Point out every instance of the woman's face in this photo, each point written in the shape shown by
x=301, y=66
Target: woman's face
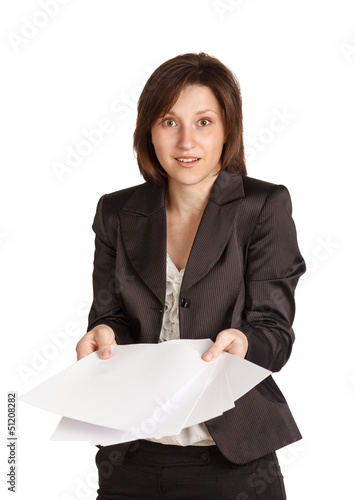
x=188, y=140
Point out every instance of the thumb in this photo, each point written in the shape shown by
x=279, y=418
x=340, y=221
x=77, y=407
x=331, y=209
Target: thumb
x=215, y=350
x=105, y=351
x=212, y=353
x=208, y=356
x=103, y=344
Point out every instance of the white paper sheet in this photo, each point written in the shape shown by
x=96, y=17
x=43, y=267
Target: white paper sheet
x=143, y=390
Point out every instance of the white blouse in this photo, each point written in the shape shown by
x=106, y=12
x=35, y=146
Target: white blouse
x=196, y=435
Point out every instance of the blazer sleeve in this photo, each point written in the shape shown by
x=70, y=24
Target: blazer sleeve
x=106, y=308
x=273, y=267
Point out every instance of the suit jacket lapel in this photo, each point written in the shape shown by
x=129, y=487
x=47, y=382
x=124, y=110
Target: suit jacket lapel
x=215, y=228
x=143, y=226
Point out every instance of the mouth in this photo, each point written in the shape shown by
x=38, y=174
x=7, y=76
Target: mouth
x=187, y=161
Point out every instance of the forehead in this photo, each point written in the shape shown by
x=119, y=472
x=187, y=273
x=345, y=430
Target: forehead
x=195, y=98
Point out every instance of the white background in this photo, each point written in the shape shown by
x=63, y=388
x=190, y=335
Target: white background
x=87, y=63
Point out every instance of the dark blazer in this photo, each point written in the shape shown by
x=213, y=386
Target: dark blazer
x=241, y=273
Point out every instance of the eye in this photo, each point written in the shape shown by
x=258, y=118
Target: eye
x=169, y=122
x=204, y=122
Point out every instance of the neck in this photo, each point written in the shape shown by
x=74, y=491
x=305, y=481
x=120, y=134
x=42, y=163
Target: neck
x=188, y=201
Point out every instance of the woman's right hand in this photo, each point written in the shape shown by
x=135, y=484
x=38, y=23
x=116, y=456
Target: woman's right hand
x=100, y=338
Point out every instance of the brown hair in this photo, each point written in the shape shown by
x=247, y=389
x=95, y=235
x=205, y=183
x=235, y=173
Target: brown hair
x=162, y=91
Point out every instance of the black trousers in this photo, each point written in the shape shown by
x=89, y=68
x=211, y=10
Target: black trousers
x=157, y=471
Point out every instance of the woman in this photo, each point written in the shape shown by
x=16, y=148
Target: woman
x=199, y=250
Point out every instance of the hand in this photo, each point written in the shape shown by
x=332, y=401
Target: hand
x=230, y=340
x=100, y=338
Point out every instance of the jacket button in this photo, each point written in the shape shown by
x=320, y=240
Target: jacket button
x=157, y=309
x=185, y=302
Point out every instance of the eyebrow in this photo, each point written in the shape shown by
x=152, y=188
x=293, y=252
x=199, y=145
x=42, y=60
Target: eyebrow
x=202, y=112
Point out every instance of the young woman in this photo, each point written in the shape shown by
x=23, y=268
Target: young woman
x=199, y=250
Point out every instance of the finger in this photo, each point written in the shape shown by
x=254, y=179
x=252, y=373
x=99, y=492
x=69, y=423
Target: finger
x=215, y=350
x=104, y=341
x=225, y=341
x=84, y=348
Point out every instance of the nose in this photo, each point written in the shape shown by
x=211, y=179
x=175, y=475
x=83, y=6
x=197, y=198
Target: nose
x=186, y=139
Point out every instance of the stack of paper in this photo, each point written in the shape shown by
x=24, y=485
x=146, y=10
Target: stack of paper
x=143, y=391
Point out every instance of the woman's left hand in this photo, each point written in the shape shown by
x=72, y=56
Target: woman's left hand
x=230, y=340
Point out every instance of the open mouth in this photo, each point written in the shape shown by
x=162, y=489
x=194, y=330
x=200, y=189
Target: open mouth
x=187, y=161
